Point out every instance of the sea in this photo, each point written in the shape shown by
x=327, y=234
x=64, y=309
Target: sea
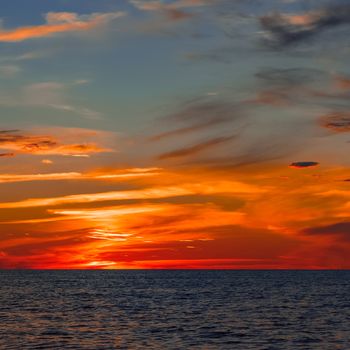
x=174, y=309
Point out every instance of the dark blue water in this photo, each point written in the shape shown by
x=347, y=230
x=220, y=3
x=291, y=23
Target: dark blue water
x=175, y=310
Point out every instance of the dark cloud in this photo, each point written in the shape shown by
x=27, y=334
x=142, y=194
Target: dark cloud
x=197, y=148
x=289, y=76
x=7, y=154
x=205, y=111
x=303, y=164
x=257, y=151
x=285, y=30
x=8, y=131
x=338, y=229
x=337, y=121
x=285, y=86
x=188, y=129
x=199, y=116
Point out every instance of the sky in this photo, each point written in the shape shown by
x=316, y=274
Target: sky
x=183, y=134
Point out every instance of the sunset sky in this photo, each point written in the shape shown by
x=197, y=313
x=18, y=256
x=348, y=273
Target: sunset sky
x=175, y=134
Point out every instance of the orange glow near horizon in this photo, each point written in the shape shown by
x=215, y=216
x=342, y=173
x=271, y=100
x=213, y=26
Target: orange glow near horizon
x=195, y=224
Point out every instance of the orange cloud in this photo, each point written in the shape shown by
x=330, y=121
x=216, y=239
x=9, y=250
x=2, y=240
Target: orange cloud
x=7, y=178
x=98, y=176
x=303, y=20
x=59, y=22
x=46, y=144
x=105, y=213
x=98, y=197
x=47, y=161
x=230, y=187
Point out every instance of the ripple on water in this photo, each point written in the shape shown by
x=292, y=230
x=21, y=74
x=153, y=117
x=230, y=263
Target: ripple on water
x=174, y=310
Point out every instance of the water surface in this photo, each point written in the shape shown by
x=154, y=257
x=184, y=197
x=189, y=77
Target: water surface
x=245, y=310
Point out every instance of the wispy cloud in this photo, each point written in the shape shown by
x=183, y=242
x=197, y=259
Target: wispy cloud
x=288, y=86
x=196, y=117
x=58, y=22
x=25, y=56
x=54, y=95
x=289, y=77
x=208, y=121
x=9, y=70
x=197, y=148
x=49, y=94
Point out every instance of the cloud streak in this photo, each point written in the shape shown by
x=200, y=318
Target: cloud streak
x=58, y=22
x=127, y=174
x=230, y=187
